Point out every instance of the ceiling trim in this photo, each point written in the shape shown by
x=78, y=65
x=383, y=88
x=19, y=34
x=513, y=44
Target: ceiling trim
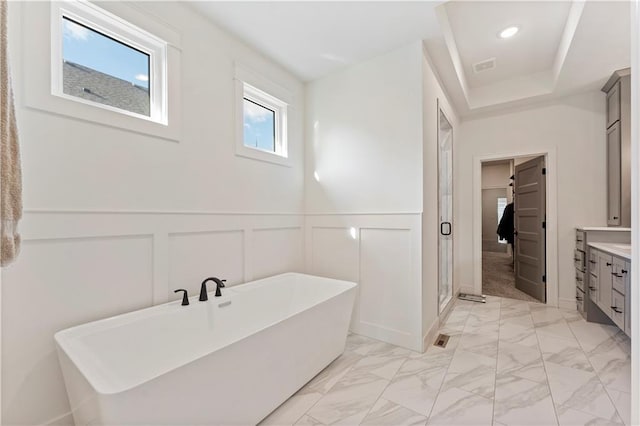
x=518, y=88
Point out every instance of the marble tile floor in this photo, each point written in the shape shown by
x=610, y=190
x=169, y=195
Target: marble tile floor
x=508, y=362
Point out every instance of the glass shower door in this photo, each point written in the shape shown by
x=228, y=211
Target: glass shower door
x=445, y=210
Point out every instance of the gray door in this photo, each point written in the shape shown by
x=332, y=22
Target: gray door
x=490, y=219
x=530, y=238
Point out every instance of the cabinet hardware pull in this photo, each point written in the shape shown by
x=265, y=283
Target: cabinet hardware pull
x=616, y=275
x=592, y=288
x=624, y=271
x=608, y=264
x=615, y=309
x=578, y=279
x=579, y=241
x=576, y=259
x=593, y=262
x=579, y=299
x=616, y=217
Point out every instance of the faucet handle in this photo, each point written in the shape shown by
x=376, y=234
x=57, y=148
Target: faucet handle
x=222, y=283
x=185, y=296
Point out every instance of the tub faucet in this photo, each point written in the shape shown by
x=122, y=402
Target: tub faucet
x=185, y=296
x=203, y=288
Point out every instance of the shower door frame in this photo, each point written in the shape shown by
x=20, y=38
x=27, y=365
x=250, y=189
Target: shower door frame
x=443, y=306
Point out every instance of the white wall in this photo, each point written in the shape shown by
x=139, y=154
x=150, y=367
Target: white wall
x=364, y=141
x=573, y=129
x=434, y=96
x=495, y=175
x=116, y=220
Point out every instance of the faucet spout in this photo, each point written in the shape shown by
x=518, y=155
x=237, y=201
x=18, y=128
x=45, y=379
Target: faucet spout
x=203, y=288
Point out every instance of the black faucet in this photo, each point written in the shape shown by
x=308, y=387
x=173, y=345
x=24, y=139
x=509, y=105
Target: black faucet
x=185, y=296
x=203, y=288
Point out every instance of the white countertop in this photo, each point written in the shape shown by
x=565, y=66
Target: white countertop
x=602, y=228
x=617, y=249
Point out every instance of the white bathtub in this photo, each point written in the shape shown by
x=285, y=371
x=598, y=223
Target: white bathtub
x=206, y=363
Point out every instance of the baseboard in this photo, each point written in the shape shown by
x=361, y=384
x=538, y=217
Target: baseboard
x=567, y=304
x=429, y=337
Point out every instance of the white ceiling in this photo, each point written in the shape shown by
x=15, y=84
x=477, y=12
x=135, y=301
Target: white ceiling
x=563, y=46
x=532, y=50
x=312, y=38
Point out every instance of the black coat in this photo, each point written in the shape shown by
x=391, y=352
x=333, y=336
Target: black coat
x=505, y=228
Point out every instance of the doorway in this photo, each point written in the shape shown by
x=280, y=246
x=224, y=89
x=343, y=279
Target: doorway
x=513, y=203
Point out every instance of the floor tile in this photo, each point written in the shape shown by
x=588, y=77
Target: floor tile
x=418, y=382
x=622, y=402
x=387, y=413
x=349, y=401
x=458, y=407
x=292, y=409
x=570, y=417
x=522, y=335
x=580, y=390
x=563, y=351
x=471, y=372
x=521, y=361
x=328, y=377
x=507, y=362
x=523, y=402
x=308, y=421
x=383, y=360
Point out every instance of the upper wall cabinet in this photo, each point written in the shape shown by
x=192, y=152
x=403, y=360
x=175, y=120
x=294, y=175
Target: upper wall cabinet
x=618, y=90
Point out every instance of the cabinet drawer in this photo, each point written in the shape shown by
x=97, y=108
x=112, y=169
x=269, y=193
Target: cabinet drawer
x=593, y=288
x=617, y=308
x=580, y=300
x=613, y=104
x=580, y=280
x=618, y=272
x=578, y=260
x=581, y=244
x=593, y=262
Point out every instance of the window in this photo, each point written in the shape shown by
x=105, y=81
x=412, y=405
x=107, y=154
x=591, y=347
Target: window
x=261, y=119
x=264, y=122
x=101, y=60
x=502, y=204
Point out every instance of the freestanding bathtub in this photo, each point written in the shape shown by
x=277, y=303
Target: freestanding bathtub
x=228, y=361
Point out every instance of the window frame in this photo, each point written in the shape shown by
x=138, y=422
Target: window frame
x=122, y=31
x=270, y=96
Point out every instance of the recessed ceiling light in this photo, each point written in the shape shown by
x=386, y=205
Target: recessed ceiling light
x=509, y=32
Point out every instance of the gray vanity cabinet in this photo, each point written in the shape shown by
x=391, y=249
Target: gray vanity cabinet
x=618, y=90
x=614, y=176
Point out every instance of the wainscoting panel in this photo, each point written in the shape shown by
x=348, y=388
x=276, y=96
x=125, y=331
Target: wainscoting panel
x=56, y=284
x=385, y=280
x=275, y=251
x=335, y=253
x=80, y=266
x=381, y=252
x=197, y=255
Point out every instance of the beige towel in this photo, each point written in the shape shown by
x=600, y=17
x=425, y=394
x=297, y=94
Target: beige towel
x=10, y=174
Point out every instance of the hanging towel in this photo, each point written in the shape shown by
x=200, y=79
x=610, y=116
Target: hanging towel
x=10, y=173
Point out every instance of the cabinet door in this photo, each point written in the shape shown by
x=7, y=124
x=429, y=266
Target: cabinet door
x=627, y=301
x=617, y=279
x=613, y=174
x=618, y=309
x=593, y=288
x=613, y=104
x=604, y=283
x=593, y=262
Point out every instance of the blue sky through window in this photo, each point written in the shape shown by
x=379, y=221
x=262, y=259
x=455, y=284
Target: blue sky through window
x=101, y=53
x=259, y=126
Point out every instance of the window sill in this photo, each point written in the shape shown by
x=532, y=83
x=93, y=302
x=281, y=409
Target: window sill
x=260, y=155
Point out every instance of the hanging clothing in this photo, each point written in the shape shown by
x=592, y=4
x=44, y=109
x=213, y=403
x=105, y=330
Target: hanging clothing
x=505, y=228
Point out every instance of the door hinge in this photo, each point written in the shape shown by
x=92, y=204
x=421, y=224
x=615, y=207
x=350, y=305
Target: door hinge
x=544, y=224
x=544, y=278
x=544, y=170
